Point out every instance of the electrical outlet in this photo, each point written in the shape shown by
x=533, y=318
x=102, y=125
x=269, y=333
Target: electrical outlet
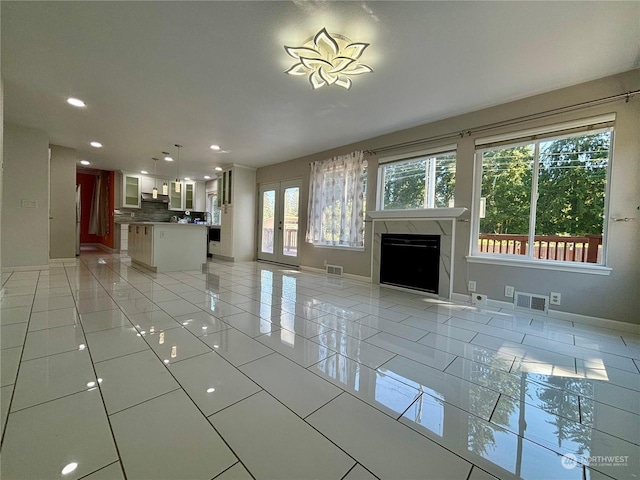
x=133, y=214
x=554, y=298
x=472, y=285
x=508, y=291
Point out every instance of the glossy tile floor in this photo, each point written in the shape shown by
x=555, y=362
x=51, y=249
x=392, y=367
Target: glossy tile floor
x=250, y=370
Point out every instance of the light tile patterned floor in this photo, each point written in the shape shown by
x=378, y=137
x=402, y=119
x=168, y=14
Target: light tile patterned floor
x=251, y=370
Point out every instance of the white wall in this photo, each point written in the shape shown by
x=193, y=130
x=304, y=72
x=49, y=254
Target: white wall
x=614, y=296
x=25, y=238
x=62, y=232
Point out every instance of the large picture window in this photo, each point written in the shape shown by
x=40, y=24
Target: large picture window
x=424, y=180
x=545, y=198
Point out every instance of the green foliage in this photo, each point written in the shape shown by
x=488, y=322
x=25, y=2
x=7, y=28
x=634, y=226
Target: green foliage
x=506, y=185
x=571, y=187
x=406, y=183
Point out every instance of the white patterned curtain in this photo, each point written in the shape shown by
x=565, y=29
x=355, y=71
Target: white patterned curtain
x=336, y=201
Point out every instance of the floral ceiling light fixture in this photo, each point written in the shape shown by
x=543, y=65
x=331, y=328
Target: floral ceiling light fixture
x=328, y=60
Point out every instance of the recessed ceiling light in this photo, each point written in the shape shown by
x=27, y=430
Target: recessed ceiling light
x=207, y=177
x=218, y=169
x=76, y=102
x=187, y=179
x=144, y=172
x=96, y=144
x=85, y=162
x=167, y=157
x=215, y=147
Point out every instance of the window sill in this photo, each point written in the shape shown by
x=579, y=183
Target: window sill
x=339, y=247
x=572, y=267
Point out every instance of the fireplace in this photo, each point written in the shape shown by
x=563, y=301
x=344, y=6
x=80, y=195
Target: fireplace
x=439, y=222
x=411, y=261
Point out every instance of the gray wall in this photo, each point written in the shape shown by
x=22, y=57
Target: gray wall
x=1, y=160
x=62, y=233
x=614, y=296
x=25, y=237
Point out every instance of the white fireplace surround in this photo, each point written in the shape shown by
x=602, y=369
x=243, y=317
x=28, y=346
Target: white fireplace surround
x=429, y=221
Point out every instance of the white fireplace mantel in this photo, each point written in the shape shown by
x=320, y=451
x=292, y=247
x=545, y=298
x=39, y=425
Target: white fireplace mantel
x=421, y=214
x=430, y=221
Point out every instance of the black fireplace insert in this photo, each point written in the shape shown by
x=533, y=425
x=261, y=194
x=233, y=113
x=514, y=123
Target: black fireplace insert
x=411, y=261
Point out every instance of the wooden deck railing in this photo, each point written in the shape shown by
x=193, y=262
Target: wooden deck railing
x=548, y=247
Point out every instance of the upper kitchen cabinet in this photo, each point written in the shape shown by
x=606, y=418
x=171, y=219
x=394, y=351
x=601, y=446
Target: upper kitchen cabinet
x=225, y=187
x=149, y=182
x=131, y=186
x=191, y=196
x=175, y=198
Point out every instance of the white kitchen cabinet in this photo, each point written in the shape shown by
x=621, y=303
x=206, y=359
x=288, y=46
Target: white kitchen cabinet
x=124, y=238
x=131, y=184
x=175, y=198
x=168, y=247
x=201, y=197
x=186, y=199
x=147, y=184
x=147, y=245
x=189, y=195
x=237, y=197
x=225, y=186
x=133, y=240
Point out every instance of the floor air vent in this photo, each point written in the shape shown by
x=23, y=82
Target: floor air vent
x=530, y=301
x=335, y=270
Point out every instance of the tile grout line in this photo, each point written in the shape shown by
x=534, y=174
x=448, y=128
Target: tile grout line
x=15, y=382
x=104, y=405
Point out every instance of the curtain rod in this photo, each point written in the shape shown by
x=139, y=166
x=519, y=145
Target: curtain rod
x=513, y=121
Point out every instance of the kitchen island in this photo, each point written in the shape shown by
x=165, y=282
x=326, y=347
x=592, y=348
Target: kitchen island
x=168, y=247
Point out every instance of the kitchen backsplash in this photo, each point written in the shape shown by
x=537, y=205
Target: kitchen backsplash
x=151, y=212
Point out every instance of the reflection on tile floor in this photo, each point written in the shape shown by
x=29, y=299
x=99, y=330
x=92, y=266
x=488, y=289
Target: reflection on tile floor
x=251, y=370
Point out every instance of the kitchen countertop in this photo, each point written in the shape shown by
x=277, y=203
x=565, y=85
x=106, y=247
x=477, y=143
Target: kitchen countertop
x=168, y=223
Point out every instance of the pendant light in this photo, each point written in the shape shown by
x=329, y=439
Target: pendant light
x=178, y=182
x=165, y=186
x=155, y=178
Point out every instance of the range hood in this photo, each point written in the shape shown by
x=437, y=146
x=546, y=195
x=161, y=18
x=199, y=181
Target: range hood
x=148, y=197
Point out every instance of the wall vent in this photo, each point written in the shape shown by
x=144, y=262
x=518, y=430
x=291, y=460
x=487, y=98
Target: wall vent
x=335, y=270
x=531, y=301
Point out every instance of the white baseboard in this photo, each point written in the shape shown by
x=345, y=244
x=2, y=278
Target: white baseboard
x=560, y=315
x=596, y=321
x=54, y=261
x=25, y=268
x=460, y=297
x=101, y=247
x=350, y=276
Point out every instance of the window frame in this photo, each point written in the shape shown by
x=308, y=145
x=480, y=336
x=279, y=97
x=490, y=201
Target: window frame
x=407, y=157
x=586, y=126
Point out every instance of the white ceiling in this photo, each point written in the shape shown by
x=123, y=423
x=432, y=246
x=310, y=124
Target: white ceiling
x=158, y=73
